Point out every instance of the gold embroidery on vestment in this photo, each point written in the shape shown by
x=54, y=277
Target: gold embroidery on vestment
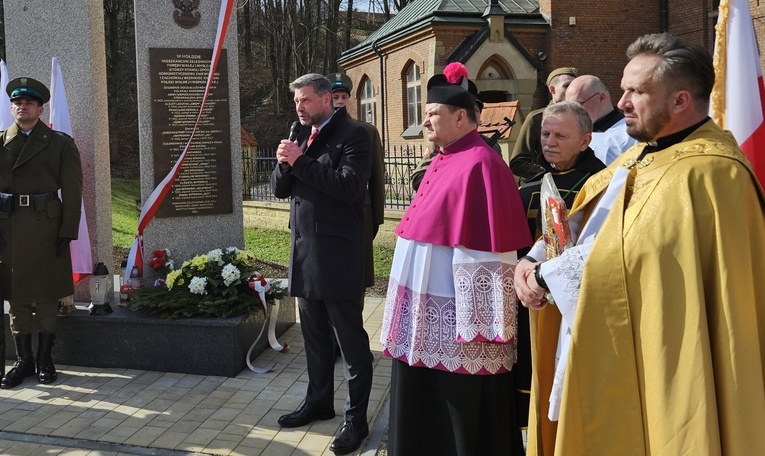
x=632, y=161
x=692, y=149
x=600, y=179
x=635, y=192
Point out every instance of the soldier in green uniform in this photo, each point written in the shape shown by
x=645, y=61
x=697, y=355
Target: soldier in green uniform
x=36, y=226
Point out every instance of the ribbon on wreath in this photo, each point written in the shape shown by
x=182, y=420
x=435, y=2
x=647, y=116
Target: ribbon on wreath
x=261, y=287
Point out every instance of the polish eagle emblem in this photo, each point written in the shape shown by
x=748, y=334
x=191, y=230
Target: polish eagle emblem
x=186, y=14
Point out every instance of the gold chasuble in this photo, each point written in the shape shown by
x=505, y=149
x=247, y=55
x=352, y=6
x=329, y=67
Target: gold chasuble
x=668, y=349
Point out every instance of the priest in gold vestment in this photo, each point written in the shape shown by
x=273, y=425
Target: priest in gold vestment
x=667, y=345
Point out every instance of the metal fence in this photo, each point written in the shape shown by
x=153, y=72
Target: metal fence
x=400, y=162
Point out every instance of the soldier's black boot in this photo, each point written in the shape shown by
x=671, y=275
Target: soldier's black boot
x=24, y=365
x=46, y=371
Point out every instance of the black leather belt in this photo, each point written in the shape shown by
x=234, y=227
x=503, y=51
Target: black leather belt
x=8, y=201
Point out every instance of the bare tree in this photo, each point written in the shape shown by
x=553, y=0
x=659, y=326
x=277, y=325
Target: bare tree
x=121, y=81
x=400, y=4
x=348, y=24
x=331, y=50
x=302, y=36
x=246, y=33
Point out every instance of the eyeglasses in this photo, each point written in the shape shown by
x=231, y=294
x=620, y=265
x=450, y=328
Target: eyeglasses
x=591, y=97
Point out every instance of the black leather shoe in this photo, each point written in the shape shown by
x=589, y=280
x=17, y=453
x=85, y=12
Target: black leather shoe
x=306, y=414
x=349, y=438
x=21, y=369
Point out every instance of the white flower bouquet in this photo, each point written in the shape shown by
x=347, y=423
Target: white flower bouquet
x=216, y=284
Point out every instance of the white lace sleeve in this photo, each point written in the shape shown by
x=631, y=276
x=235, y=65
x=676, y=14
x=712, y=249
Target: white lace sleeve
x=484, y=295
x=563, y=276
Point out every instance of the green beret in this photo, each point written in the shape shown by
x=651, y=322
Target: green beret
x=340, y=81
x=27, y=88
x=571, y=71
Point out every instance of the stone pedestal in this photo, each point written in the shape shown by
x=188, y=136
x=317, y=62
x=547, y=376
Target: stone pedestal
x=173, y=49
x=131, y=340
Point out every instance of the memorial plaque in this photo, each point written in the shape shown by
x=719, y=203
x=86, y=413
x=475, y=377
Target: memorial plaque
x=178, y=77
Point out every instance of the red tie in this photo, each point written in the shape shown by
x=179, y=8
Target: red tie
x=314, y=133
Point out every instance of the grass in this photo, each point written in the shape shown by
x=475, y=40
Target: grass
x=125, y=192
x=267, y=244
x=274, y=245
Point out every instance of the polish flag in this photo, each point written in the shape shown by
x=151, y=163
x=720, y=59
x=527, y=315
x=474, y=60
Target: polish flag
x=738, y=97
x=60, y=121
x=6, y=118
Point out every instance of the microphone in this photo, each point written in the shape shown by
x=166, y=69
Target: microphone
x=294, y=130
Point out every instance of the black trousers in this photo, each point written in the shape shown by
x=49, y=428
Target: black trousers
x=434, y=412
x=323, y=323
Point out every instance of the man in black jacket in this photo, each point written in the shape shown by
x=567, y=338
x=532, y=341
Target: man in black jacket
x=324, y=174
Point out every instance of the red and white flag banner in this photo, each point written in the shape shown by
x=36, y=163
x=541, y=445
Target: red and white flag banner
x=738, y=97
x=60, y=121
x=150, y=207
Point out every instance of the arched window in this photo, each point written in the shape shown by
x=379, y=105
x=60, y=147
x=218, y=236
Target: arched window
x=414, y=96
x=368, y=102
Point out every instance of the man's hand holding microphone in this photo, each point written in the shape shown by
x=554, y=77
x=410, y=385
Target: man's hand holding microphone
x=289, y=150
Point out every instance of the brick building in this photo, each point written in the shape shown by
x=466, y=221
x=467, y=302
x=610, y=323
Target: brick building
x=509, y=47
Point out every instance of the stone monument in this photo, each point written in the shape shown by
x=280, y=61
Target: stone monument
x=203, y=210
x=72, y=31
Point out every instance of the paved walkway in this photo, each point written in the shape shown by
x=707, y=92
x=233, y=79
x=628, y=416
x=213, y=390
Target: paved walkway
x=90, y=411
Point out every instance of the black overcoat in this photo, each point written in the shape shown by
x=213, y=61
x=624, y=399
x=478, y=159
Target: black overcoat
x=326, y=190
x=374, y=202
x=46, y=162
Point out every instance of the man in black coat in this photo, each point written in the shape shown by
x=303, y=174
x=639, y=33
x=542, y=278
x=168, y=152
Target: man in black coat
x=324, y=174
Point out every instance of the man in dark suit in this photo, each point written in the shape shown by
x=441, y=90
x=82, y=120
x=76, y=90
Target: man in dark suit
x=324, y=175
x=36, y=226
x=374, y=199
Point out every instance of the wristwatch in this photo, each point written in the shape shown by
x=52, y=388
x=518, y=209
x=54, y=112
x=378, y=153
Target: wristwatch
x=538, y=276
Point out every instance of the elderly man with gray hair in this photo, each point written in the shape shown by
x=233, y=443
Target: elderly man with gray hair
x=565, y=139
